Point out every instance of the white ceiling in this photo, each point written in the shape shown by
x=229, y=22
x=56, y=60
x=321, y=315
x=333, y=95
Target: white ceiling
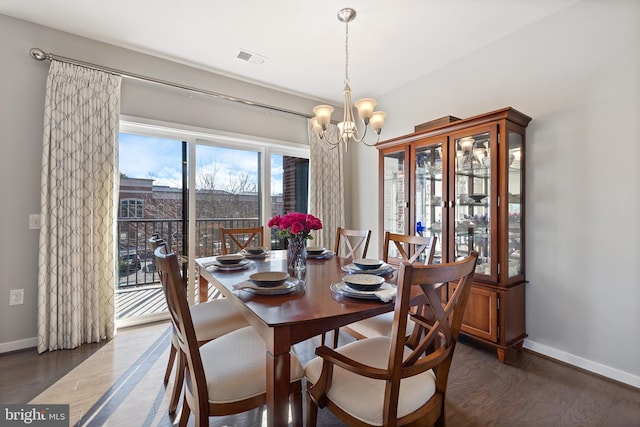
x=391, y=42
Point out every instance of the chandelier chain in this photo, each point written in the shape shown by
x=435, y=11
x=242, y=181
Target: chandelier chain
x=346, y=53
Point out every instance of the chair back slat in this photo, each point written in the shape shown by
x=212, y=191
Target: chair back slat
x=352, y=241
x=421, y=245
x=240, y=238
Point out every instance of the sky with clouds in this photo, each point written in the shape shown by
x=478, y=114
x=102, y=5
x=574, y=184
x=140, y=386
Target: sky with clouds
x=160, y=160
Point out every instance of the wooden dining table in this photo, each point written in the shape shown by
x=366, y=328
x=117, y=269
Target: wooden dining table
x=284, y=320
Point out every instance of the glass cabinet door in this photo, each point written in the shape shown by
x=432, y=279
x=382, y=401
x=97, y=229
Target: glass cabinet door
x=393, y=188
x=514, y=203
x=474, y=191
x=428, y=195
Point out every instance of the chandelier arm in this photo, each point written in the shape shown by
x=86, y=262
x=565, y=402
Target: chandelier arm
x=333, y=143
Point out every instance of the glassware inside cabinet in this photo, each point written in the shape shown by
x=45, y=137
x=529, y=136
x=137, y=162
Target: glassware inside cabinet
x=428, y=196
x=472, y=180
x=514, y=188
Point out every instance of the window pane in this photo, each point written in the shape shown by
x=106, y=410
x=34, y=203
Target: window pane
x=227, y=194
x=150, y=182
x=289, y=189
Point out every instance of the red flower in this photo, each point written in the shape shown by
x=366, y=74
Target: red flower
x=295, y=224
x=297, y=227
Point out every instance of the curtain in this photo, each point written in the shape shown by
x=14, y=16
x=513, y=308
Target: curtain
x=77, y=253
x=326, y=198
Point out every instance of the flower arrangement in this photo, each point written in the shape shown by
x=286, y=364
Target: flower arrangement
x=295, y=224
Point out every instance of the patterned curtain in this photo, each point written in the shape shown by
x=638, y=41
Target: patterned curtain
x=77, y=259
x=326, y=198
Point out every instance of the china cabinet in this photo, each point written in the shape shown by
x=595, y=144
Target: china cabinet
x=463, y=181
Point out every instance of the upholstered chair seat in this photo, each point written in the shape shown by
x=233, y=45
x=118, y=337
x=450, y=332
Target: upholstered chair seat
x=362, y=397
x=235, y=368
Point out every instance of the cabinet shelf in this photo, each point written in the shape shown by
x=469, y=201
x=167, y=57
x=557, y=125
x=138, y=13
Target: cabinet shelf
x=475, y=173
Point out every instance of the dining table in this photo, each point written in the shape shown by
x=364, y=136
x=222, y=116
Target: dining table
x=283, y=320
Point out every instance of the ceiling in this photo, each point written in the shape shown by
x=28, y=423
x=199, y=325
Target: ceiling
x=390, y=43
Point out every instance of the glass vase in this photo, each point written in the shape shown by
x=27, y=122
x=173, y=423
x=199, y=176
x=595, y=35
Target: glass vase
x=297, y=253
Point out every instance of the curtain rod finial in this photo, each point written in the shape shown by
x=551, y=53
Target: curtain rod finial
x=37, y=54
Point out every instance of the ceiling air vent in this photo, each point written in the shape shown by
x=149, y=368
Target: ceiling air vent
x=254, y=58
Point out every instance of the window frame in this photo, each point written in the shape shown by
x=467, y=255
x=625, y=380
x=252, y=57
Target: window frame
x=202, y=136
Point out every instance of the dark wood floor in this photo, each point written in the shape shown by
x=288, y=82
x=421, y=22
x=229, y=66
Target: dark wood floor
x=528, y=390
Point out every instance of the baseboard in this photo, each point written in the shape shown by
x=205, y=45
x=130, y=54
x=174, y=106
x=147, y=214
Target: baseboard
x=587, y=365
x=6, y=347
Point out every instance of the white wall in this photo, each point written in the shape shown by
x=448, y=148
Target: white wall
x=22, y=86
x=577, y=74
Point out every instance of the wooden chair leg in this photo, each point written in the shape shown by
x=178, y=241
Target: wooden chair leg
x=312, y=411
x=295, y=400
x=170, y=363
x=336, y=335
x=176, y=392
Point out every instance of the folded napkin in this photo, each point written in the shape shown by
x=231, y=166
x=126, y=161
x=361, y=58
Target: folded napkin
x=386, y=295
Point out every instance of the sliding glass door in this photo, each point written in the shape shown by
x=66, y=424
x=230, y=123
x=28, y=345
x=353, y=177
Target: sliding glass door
x=151, y=200
x=186, y=188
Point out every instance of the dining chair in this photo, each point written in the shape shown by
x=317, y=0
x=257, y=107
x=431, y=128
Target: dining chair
x=240, y=238
x=226, y=375
x=382, y=324
x=352, y=240
x=210, y=319
x=388, y=380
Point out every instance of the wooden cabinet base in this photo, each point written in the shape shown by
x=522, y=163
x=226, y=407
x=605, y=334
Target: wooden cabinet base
x=495, y=315
x=501, y=350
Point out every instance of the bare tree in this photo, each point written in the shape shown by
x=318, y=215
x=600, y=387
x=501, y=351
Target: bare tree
x=206, y=180
x=241, y=191
x=206, y=176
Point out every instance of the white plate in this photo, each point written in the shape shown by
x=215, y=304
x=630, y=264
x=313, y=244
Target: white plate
x=290, y=286
x=384, y=269
x=229, y=267
x=342, y=288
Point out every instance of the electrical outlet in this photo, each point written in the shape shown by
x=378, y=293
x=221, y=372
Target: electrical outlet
x=16, y=296
x=34, y=221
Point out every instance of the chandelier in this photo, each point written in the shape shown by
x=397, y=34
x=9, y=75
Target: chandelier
x=348, y=129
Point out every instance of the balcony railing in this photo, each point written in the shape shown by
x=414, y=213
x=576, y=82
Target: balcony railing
x=136, y=266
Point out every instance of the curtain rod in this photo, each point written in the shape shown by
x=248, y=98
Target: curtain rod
x=41, y=55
